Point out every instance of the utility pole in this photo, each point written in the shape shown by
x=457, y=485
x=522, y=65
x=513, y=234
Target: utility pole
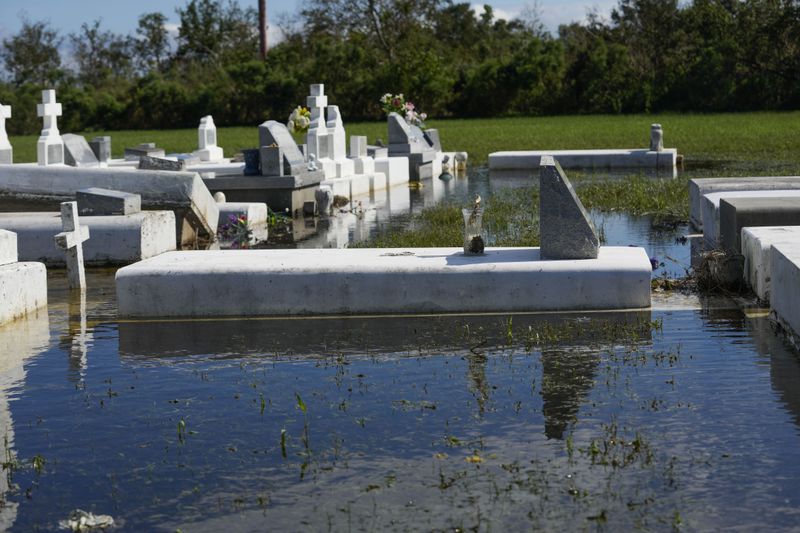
x=262, y=27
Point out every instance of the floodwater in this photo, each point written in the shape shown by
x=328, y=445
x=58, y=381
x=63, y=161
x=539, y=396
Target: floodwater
x=686, y=416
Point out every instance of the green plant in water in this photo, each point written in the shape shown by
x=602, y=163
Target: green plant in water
x=181, y=431
x=38, y=463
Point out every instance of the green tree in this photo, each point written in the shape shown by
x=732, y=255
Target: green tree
x=31, y=56
x=151, y=43
x=101, y=56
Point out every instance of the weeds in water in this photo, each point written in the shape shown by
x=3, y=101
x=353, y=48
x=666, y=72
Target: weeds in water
x=181, y=431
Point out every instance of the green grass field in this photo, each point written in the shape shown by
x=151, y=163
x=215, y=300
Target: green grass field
x=741, y=137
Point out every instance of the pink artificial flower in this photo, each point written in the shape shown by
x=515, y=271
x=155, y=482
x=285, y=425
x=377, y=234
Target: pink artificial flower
x=409, y=106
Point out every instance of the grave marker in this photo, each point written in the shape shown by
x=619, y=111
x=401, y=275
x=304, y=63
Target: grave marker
x=77, y=152
x=566, y=232
x=71, y=240
x=96, y=201
x=207, y=140
x=275, y=133
x=6, y=151
x=147, y=162
x=318, y=129
x=50, y=146
x=101, y=146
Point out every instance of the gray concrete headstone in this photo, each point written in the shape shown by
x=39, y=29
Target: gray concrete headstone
x=275, y=133
x=432, y=136
x=147, y=162
x=271, y=161
x=399, y=131
x=96, y=201
x=252, y=161
x=565, y=230
x=77, y=152
x=101, y=146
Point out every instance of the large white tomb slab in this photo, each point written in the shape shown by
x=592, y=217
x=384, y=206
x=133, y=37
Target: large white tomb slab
x=378, y=281
x=183, y=192
x=114, y=240
x=23, y=286
x=757, y=245
x=702, y=186
x=785, y=290
x=528, y=160
x=710, y=212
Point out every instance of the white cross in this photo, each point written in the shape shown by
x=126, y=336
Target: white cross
x=49, y=110
x=71, y=240
x=5, y=112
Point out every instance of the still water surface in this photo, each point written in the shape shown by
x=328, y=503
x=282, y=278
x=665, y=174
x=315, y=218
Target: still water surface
x=685, y=416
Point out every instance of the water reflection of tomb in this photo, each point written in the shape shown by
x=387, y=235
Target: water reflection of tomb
x=19, y=341
x=784, y=364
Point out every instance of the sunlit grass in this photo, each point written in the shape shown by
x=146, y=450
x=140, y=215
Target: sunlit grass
x=773, y=137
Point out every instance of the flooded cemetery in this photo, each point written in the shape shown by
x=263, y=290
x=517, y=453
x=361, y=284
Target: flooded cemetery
x=324, y=332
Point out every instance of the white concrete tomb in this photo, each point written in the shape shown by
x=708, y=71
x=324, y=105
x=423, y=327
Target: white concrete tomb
x=375, y=281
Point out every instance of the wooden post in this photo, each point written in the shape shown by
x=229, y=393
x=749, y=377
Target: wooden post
x=262, y=27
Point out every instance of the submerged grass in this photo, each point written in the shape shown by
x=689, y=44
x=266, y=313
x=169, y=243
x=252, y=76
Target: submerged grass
x=638, y=195
x=720, y=137
x=510, y=219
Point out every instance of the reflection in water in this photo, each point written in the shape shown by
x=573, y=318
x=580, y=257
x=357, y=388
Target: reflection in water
x=77, y=338
x=19, y=341
x=567, y=378
x=784, y=363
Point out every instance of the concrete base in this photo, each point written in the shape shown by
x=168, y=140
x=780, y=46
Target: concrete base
x=702, y=186
x=377, y=182
x=757, y=245
x=395, y=169
x=378, y=281
x=256, y=213
x=528, y=160
x=281, y=193
x=710, y=209
x=738, y=213
x=182, y=192
x=23, y=289
x=355, y=186
x=113, y=240
x=785, y=294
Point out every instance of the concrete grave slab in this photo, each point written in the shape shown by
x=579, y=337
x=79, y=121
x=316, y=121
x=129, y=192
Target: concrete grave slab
x=8, y=247
x=196, y=212
x=757, y=245
x=115, y=240
x=150, y=149
x=95, y=201
x=566, y=232
x=710, y=203
x=702, y=186
x=147, y=162
x=526, y=160
x=23, y=290
x=738, y=213
x=77, y=152
x=785, y=293
x=412, y=281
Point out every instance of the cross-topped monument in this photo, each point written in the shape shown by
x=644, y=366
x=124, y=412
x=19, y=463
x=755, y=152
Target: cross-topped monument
x=50, y=147
x=6, y=151
x=207, y=140
x=71, y=240
x=318, y=129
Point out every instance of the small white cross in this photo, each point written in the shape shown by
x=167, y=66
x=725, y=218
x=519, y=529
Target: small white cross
x=49, y=110
x=71, y=240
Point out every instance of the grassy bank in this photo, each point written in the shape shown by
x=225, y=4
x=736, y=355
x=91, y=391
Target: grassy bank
x=741, y=137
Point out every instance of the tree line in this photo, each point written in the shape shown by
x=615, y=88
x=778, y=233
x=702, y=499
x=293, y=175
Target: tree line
x=647, y=56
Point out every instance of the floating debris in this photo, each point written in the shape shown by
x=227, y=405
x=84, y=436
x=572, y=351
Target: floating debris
x=80, y=520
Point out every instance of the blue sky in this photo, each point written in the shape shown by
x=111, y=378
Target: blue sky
x=120, y=16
